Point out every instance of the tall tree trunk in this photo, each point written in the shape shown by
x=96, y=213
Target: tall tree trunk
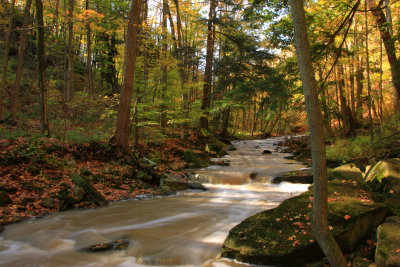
x=56, y=15
x=371, y=124
x=206, y=101
x=70, y=53
x=319, y=216
x=44, y=122
x=120, y=138
x=20, y=65
x=164, y=67
x=389, y=43
x=6, y=56
x=89, y=71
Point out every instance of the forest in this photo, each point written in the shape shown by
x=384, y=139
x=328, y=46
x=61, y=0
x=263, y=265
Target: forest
x=105, y=101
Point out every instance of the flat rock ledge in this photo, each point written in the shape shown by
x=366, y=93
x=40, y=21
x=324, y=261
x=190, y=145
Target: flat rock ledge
x=282, y=236
x=388, y=246
x=301, y=177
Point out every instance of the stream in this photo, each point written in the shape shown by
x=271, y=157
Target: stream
x=187, y=229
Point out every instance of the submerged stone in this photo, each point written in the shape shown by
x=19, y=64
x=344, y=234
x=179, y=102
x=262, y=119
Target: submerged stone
x=282, y=236
x=120, y=244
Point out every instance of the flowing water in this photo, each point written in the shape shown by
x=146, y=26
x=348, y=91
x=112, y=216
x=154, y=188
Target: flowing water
x=183, y=230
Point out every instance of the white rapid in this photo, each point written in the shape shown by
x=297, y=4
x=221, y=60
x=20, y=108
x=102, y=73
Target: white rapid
x=183, y=230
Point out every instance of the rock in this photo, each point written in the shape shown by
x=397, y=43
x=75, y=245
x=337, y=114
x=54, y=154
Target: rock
x=4, y=199
x=282, y=236
x=221, y=162
x=167, y=191
x=33, y=170
x=195, y=160
x=157, y=261
x=95, y=196
x=78, y=193
x=300, y=177
x=266, y=152
x=71, y=163
x=231, y=148
x=362, y=262
x=289, y=157
x=384, y=176
x=388, y=246
x=47, y=203
x=197, y=186
x=348, y=171
x=85, y=172
x=176, y=185
x=120, y=244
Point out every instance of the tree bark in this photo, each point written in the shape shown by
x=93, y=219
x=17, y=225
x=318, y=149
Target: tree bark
x=389, y=43
x=20, y=65
x=89, y=71
x=70, y=53
x=206, y=101
x=44, y=122
x=164, y=68
x=6, y=56
x=120, y=138
x=319, y=216
x=371, y=124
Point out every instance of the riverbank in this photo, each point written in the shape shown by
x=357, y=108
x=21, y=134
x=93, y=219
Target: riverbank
x=37, y=173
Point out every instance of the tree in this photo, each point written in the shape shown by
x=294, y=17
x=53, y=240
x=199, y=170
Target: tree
x=120, y=139
x=44, y=122
x=70, y=53
x=4, y=70
x=319, y=216
x=389, y=43
x=206, y=101
x=20, y=66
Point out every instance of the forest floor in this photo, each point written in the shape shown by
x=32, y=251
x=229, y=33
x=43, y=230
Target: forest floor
x=36, y=173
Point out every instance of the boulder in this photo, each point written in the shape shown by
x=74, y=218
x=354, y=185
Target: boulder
x=388, y=245
x=197, y=186
x=266, y=152
x=231, y=148
x=282, y=236
x=195, y=160
x=95, y=195
x=47, y=203
x=120, y=244
x=348, y=171
x=300, y=177
x=385, y=175
x=221, y=162
x=4, y=199
x=166, y=190
x=176, y=185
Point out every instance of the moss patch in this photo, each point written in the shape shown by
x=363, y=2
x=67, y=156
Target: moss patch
x=282, y=236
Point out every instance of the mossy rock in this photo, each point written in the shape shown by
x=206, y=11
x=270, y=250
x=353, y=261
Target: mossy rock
x=388, y=246
x=166, y=190
x=195, y=160
x=348, y=171
x=282, y=236
x=176, y=185
x=384, y=177
x=4, y=199
x=302, y=177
